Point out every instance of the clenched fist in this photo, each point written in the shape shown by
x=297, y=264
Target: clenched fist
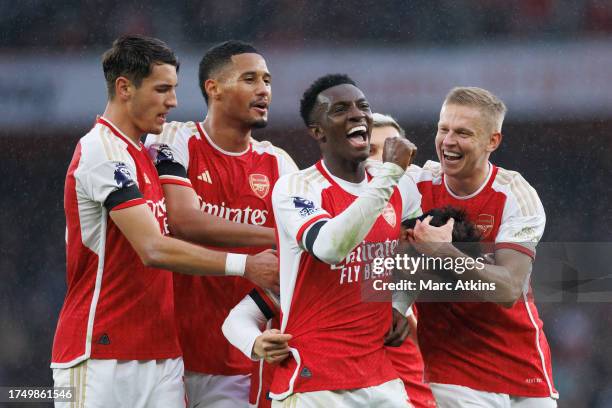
x=399, y=151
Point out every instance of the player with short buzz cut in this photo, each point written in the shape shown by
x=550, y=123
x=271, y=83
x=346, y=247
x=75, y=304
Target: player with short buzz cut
x=215, y=168
x=332, y=218
x=407, y=358
x=490, y=353
x=116, y=340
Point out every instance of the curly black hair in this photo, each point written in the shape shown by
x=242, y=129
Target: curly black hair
x=219, y=55
x=309, y=99
x=465, y=232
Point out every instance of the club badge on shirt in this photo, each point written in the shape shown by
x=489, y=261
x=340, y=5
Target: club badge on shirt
x=260, y=184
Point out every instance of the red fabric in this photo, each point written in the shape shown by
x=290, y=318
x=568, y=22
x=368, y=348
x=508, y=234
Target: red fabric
x=203, y=303
x=338, y=334
x=133, y=318
x=483, y=346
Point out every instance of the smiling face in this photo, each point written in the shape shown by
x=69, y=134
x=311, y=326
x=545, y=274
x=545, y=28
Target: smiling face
x=149, y=103
x=245, y=90
x=464, y=141
x=343, y=123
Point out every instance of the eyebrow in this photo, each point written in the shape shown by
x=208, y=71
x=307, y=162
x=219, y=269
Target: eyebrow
x=265, y=73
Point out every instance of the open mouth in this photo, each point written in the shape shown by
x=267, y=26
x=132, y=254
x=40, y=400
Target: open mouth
x=161, y=117
x=451, y=156
x=358, y=136
x=260, y=106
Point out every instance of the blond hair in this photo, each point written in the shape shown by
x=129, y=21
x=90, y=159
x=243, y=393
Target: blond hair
x=493, y=109
x=382, y=120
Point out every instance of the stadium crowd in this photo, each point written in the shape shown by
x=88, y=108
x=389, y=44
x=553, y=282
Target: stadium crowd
x=76, y=25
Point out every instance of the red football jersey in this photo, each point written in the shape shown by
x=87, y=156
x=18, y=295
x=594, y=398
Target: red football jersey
x=115, y=307
x=481, y=345
x=337, y=336
x=408, y=363
x=262, y=373
x=237, y=187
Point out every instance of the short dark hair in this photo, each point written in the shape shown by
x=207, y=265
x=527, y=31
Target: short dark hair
x=309, y=99
x=219, y=55
x=133, y=56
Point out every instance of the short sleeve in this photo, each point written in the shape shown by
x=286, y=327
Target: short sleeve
x=110, y=182
x=297, y=206
x=170, y=152
x=523, y=219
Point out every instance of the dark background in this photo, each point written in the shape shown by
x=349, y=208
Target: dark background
x=566, y=159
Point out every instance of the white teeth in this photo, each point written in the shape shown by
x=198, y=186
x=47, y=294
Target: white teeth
x=451, y=154
x=357, y=129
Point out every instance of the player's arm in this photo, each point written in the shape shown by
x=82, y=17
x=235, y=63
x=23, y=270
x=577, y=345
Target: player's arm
x=142, y=231
x=187, y=221
x=244, y=329
x=170, y=153
x=331, y=240
x=509, y=272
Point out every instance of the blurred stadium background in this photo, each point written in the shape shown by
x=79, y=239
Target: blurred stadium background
x=550, y=60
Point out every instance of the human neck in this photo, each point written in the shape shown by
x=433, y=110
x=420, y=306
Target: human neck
x=228, y=135
x=351, y=171
x=119, y=117
x=465, y=186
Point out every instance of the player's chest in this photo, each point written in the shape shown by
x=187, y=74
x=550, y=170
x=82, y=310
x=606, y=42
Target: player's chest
x=386, y=226
x=485, y=210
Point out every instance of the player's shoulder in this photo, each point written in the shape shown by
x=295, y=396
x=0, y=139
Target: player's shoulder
x=511, y=181
x=100, y=145
x=307, y=180
x=506, y=177
x=431, y=171
x=517, y=188
x=174, y=129
x=265, y=146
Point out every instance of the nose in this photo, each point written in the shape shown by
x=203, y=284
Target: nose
x=263, y=88
x=172, y=101
x=449, y=139
x=355, y=114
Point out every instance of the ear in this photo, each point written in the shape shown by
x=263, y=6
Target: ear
x=212, y=89
x=123, y=88
x=316, y=133
x=494, y=141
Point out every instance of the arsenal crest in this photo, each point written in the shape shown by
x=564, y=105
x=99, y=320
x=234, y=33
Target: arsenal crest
x=389, y=215
x=484, y=223
x=259, y=184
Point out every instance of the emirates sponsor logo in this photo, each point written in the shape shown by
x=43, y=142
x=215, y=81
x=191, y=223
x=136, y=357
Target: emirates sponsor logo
x=246, y=215
x=484, y=223
x=260, y=184
x=389, y=215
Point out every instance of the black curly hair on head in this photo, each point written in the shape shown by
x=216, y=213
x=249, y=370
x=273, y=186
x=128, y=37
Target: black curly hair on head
x=309, y=99
x=465, y=232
